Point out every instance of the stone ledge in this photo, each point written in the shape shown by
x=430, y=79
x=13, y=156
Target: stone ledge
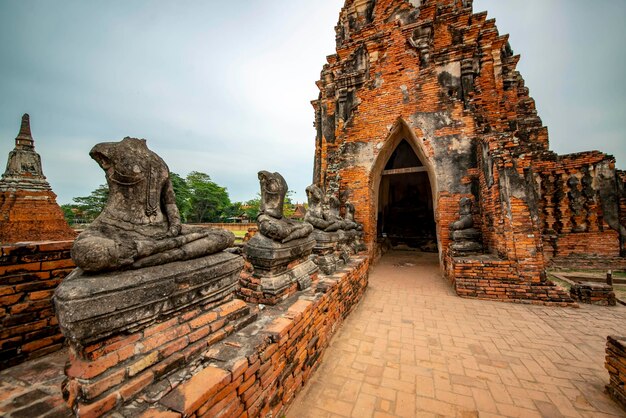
x=91, y=308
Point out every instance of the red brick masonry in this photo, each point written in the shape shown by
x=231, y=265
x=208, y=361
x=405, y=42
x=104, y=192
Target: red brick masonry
x=616, y=365
x=29, y=273
x=257, y=369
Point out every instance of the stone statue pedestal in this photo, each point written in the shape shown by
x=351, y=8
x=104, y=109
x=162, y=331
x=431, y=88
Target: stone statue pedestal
x=277, y=269
x=92, y=307
x=324, y=250
x=355, y=241
x=466, y=242
x=344, y=251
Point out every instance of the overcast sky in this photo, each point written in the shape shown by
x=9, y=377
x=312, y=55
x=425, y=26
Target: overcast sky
x=225, y=87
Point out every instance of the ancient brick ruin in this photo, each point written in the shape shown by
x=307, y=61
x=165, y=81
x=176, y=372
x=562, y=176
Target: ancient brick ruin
x=35, y=242
x=616, y=366
x=421, y=106
x=426, y=137
x=28, y=208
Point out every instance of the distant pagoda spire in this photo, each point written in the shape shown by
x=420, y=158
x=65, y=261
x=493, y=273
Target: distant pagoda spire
x=28, y=207
x=24, y=138
x=24, y=170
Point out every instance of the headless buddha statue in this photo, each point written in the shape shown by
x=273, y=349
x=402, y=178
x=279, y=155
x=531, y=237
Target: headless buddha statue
x=140, y=225
x=348, y=220
x=316, y=215
x=271, y=221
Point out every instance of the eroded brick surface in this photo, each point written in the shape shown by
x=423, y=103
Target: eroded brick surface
x=444, y=79
x=29, y=273
x=28, y=207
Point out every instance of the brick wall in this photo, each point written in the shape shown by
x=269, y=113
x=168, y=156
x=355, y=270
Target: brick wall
x=616, y=365
x=490, y=278
x=108, y=373
x=571, y=205
x=262, y=378
x=621, y=181
x=229, y=226
x=226, y=361
x=29, y=273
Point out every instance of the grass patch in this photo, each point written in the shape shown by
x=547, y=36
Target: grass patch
x=561, y=283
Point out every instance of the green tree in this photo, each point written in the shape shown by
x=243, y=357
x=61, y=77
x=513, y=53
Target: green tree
x=251, y=208
x=183, y=195
x=288, y=206
x=87, y=208
x=69, y=212
x=233, y=211
x=208, y=200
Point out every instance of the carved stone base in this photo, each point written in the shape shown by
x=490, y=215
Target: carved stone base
x=271, y=256
x=466, y=242
x=277, y=270
x=300, y=275
x=325, y=250
x=92, y=307
x=327, y=263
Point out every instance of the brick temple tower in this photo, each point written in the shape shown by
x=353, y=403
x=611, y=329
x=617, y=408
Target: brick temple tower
x=28, y=207
x=424, y=124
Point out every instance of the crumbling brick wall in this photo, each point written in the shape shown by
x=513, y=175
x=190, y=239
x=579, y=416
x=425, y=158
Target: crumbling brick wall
x=621, y=184
x=29, y=274
x=442, y=78
x=577, y=218
x=227, y=360
x=616, y=366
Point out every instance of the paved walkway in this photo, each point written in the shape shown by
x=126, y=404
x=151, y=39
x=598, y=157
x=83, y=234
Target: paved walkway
x=412, y=348
x=33, y=389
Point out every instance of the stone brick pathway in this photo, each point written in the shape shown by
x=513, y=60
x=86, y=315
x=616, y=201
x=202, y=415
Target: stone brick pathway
x=33, y=389
x=412, y=348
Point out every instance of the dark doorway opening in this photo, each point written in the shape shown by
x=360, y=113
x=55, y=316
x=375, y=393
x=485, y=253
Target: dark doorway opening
x=405, y=205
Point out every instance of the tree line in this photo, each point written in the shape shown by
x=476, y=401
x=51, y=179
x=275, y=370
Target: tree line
x=199, y=200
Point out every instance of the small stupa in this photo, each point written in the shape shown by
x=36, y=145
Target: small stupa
x=28, y=207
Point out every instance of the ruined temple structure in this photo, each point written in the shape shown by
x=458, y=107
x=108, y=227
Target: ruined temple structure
x=421, y=106
x=28, y=207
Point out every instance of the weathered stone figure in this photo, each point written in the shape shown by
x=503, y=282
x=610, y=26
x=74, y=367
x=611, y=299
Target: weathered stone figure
x=466, y=238
x=316, y=215
x=271, y=221
x=334, y=215
x=348, y=219
x=279, y=253
x=140, y=225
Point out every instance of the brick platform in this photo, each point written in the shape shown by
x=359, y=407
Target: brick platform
x=29, y=273
x=616, y=365
x=593, y=293
x=258, y=371
x=103, y=376
x=487, y=277
x=213, y=361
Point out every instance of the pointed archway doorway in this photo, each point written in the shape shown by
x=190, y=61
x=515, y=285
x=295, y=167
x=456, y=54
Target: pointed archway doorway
x=404, y=191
